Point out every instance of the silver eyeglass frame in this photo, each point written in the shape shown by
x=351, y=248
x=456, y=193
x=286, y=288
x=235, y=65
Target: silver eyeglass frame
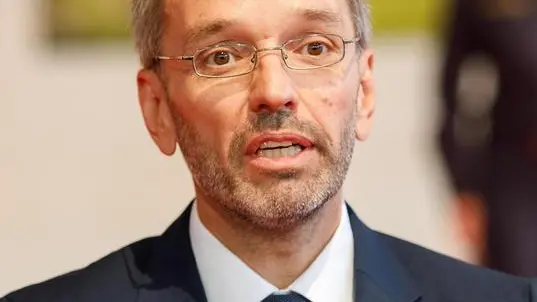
x=254, y=59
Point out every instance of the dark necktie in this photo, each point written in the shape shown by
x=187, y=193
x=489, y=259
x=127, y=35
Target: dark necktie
x=290, y=297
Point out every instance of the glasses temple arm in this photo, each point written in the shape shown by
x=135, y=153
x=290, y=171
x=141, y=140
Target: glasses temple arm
x=183, y=58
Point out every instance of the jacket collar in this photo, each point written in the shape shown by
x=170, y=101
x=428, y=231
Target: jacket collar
x=170, y=272
x=379, y=275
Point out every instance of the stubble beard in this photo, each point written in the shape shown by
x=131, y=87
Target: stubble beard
x=282, y=200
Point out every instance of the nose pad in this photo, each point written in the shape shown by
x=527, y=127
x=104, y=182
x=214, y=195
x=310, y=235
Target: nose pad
x=271, y=88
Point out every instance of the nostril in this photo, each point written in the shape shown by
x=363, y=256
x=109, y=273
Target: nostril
x=290, y=105
x=266, y=107
x=263, y=107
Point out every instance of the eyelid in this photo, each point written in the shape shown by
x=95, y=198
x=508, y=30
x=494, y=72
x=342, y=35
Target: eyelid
x=210, y=51
x=220, y=47
x=317, y=36
x=223, y=43
x=306, y=41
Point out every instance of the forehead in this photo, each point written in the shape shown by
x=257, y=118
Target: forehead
x=265, y=17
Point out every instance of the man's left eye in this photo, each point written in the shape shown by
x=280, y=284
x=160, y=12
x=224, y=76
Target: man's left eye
x=315, y=48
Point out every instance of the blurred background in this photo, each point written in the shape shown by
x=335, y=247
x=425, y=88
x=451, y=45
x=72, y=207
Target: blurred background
x=80, y=177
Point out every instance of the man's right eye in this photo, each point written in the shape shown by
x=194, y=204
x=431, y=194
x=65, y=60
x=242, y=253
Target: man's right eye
x=219, y=58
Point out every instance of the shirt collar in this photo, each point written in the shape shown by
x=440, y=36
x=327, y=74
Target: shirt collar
x=226, y=278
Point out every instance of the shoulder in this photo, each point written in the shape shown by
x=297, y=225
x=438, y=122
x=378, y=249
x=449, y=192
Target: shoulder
x=443, y=277
x=107, y=279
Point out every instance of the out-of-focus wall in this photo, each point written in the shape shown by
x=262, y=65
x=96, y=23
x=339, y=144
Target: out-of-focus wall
x=79, y=176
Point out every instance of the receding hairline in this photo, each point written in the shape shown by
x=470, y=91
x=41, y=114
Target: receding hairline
x=151, y=18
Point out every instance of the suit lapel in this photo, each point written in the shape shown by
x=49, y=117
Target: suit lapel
x=366, y=290
x=171, y=274
x=379, y=276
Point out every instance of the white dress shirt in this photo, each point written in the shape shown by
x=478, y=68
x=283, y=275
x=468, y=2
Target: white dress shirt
x=226, y=277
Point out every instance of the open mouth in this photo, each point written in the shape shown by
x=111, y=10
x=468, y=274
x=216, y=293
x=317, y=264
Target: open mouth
x=278, y=146
x=271, y=149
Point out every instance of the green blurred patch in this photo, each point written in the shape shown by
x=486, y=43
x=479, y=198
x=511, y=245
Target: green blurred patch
x=404, y=16
x=89, y=20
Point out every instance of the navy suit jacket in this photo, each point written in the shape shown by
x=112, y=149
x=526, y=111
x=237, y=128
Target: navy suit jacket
x=163, y=269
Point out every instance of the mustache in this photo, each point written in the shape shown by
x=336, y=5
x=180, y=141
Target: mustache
x=277, y=120
x=284, y=119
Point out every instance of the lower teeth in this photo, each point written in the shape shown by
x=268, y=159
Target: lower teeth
x=280, y=152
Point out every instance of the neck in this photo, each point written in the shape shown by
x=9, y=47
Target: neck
x=279, y=257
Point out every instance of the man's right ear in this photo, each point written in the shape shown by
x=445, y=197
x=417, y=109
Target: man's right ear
x=156, y=111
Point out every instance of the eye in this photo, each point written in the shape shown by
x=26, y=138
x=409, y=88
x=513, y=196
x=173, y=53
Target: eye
x=220, y=57
x=315, y=48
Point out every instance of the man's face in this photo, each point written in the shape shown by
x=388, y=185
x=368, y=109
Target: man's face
x=272, y=146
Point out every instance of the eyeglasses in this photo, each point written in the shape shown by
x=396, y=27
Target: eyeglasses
x=231, y=59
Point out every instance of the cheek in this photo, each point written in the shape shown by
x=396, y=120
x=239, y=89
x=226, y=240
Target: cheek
x=339, y=93
x=224, y=116
x=337, y=103
x=214, y=115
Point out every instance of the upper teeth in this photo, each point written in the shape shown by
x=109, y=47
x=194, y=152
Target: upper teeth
x=270, y=144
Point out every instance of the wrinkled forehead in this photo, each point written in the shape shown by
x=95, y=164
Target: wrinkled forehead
x=269, y=18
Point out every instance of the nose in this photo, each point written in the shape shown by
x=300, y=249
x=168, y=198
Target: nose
x=271, y=88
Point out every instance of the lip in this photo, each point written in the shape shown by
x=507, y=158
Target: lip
x=253, y=146
x=293, y=164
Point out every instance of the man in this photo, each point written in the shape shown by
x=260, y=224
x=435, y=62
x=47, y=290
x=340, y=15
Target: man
x=265, y=99
x=489, y=131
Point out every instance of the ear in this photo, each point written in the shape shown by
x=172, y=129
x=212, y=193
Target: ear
x=156, y=111
x=366, y=96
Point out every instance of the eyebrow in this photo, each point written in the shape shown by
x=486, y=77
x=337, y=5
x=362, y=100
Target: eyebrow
x=320, y=15
x=217, y=26
x=206, y=30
